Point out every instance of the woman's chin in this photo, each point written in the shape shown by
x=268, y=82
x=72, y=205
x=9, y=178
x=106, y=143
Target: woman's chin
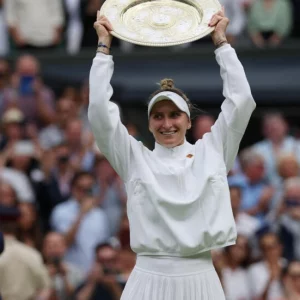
x=170, y=143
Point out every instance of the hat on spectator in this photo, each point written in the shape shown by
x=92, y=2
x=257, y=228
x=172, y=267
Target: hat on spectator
x=12, y=115
x=24, y=148
x=9, y=214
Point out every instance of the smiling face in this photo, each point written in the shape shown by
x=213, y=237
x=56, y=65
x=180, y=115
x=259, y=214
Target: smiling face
x=168, y=124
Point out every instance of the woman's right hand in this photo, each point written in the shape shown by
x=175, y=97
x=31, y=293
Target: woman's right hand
x=103, y=28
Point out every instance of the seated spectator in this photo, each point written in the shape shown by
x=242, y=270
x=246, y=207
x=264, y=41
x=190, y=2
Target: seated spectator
x=111, y=192
x=289, y=219
x=8, y=196
x=53, y=134
x=23, y=157
x=265, y=276
x=65, y=276
x=292, y=281
x=29, y=226
x=102, y=280
x=233, y=274
x=35, y=24
x=74, y=24
x=246, y=224
x=288, y=167
x=83, y=224
x=236, y=14
x=29, y=94
x=12, y=125
x=53, y=186
x=270, y=22
x=277, y=142
x=81, y=154
x=4, y=80
x=17, y=180
x=256, y=193
x=19, y=264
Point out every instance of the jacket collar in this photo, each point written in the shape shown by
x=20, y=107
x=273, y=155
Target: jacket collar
x=177, y=151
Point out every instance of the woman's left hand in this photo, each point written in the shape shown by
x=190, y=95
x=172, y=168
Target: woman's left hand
x=220, y=22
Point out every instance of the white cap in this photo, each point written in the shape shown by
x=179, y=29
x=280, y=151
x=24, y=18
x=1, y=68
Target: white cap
x=175, y=98
x=23, y=147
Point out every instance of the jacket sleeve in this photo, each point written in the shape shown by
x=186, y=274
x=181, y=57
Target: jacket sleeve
x=111, y=135
x=236, y=110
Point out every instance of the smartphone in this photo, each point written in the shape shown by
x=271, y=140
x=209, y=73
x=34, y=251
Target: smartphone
x=26, y=85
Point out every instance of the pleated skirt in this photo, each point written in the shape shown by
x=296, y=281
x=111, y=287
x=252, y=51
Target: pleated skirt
x=173, y=278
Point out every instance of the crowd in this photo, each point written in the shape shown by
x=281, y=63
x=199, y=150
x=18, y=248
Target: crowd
x=63, y=207
x=68, y=24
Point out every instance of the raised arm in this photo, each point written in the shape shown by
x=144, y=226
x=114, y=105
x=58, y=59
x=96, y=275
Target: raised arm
x=111, y=135
x=238, y=105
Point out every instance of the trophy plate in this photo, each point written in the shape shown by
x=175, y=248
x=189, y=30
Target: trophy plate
x=160, y=23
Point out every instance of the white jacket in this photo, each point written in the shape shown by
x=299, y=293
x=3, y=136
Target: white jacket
x=177, y=205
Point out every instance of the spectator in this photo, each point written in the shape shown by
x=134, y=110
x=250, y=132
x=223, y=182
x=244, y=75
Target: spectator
x=112, y=196
x=288, y=167
x=29, y=227
x=35, y=24
x=12, y=122
x=236, y=14
x=23, y=156
x=277, y=142
x=246, y=224
x=233, y=274
x=265, y=276
x=65, y=276
x=17, y=180
x=83, y=224
x=4, y=80
x=102, y=280
x=289, y=219
x=292, y=281
x=74, y=25
x=270, y=21
x=256, y=193
x=8, y=196
x=30, y=95
x=53, y=186
x=20, y=264
x=53, y=134
x=81, y=155
x=89, y=11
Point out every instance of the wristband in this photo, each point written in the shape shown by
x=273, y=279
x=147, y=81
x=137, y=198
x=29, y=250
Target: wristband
x=101, y=45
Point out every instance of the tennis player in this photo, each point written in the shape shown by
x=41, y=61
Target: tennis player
x=178, y=198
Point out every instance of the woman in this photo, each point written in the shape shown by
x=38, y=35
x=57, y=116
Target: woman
x=178, y=198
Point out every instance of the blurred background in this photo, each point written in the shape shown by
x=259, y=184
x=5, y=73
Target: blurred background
x=62, y=206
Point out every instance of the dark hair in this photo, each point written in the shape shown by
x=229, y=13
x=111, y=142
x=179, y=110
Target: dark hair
x=79, y=175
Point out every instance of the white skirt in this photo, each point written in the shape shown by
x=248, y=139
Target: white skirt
x=173, y=278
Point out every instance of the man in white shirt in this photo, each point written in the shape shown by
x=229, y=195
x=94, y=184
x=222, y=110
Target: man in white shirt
x=83, y=224
x=35, y=23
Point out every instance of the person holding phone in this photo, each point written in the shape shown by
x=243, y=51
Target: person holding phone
x=178, y=197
